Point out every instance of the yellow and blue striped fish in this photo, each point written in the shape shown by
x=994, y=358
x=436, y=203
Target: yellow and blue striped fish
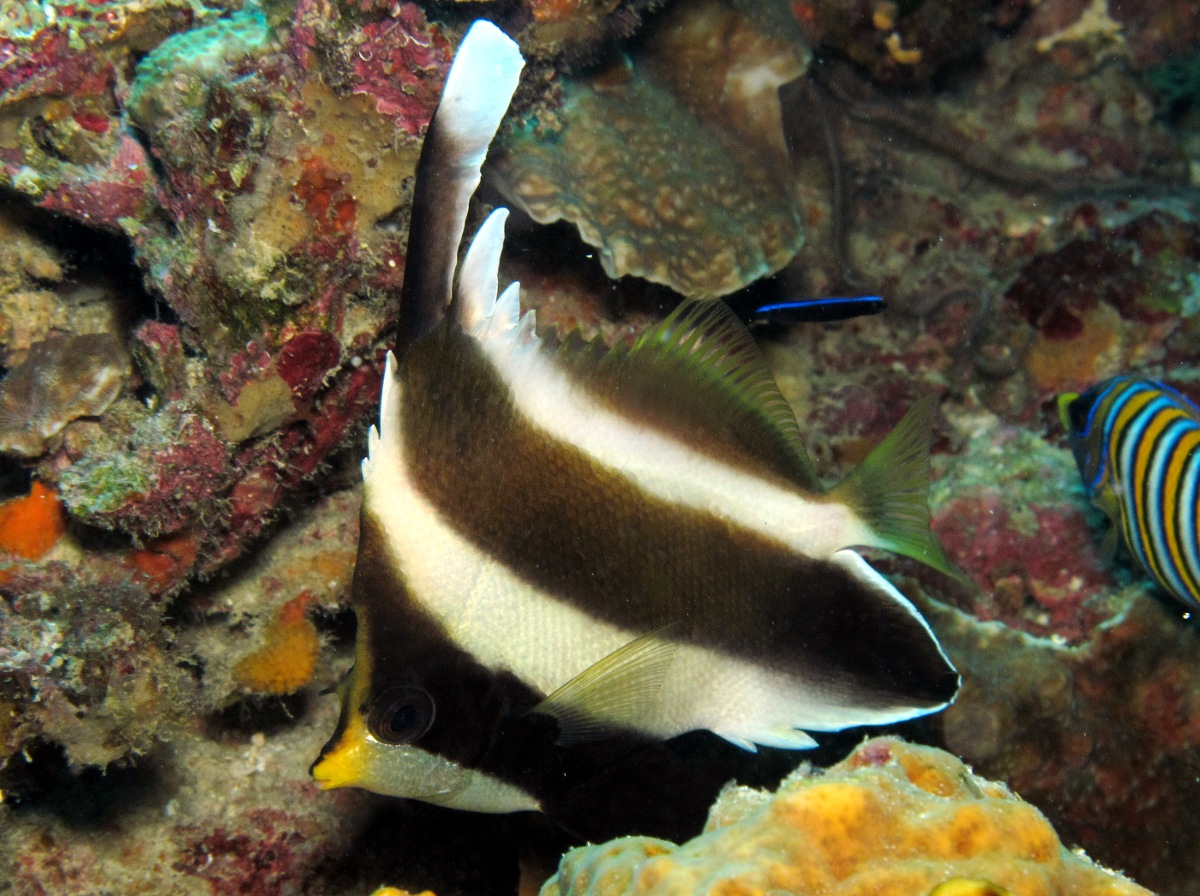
x=1137, y=445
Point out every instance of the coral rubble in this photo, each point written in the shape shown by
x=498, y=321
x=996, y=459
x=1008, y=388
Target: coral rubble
x=892, y=818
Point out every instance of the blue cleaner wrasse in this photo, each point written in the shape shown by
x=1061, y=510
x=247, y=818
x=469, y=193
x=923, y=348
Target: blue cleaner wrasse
x=752, y=309
x=1137, y=445
x=570, y=554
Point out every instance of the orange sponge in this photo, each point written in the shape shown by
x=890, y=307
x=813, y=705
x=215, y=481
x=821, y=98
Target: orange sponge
x=32, y=525
x=163, y=564
x=893, y=819
x=287, y=658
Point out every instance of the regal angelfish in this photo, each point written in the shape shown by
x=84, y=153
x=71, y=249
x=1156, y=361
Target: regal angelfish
x=569, y=554
x=1137, y=445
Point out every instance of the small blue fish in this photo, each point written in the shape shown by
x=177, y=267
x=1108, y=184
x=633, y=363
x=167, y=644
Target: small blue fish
x=752, y=309
x=1137, y=445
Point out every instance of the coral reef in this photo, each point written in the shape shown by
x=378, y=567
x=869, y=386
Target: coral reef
x=170, y=469
x=1055, y=720
x=1016, y=523
x=62, y=143
x=83, y=670
x=897, y=42
x=891, y=818
x=202, y=225
x=576, y=31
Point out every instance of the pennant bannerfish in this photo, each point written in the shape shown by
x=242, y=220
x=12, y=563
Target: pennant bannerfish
x=1137, y=445
x=568, y=548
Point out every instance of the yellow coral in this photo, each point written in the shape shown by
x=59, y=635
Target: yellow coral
x=903, y=55
x=962, y=886
x=287, y=659
x=1059, y=365
x=893, y=819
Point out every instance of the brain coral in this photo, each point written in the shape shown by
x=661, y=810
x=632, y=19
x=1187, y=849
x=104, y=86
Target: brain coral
x=892, y=819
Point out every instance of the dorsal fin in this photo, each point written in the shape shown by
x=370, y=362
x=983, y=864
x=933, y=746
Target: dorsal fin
x=700, y=374
x=479, y=274
x=478, y=89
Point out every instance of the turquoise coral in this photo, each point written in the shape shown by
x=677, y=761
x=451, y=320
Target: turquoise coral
x=191, y=59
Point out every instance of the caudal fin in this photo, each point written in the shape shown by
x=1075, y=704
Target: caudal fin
x=889, y=491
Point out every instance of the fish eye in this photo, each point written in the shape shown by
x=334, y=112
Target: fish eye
x=401, y=715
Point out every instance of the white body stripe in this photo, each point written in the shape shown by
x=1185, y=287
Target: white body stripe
x=507, y=623
x=659, y=465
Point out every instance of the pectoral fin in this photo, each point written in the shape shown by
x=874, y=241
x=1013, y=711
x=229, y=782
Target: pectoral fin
x=1106, y=499
x=620, y=690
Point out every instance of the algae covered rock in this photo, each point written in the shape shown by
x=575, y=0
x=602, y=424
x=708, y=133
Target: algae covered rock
x=60, y=380
x=892, y=818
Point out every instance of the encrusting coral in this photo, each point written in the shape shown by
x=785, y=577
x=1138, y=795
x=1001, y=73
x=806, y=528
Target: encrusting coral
x=708, y=205
x=892, y=819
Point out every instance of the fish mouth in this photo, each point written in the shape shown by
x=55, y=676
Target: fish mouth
x=325, y=773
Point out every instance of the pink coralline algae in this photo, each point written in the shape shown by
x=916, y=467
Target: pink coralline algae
x=169, y=472
x=60, y=380
x=401, y=64
x=1039, y=566
x=109, y=192
x=234, y=863
x=161, y=357
x=60, y=64
x=306, y=360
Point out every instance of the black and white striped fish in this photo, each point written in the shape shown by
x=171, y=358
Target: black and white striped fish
x=1137, y=445
x=567, y=549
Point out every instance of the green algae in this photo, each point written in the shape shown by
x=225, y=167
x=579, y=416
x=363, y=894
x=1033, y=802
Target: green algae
x=105, y=481
x=99, y=485
x=1016, y=462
